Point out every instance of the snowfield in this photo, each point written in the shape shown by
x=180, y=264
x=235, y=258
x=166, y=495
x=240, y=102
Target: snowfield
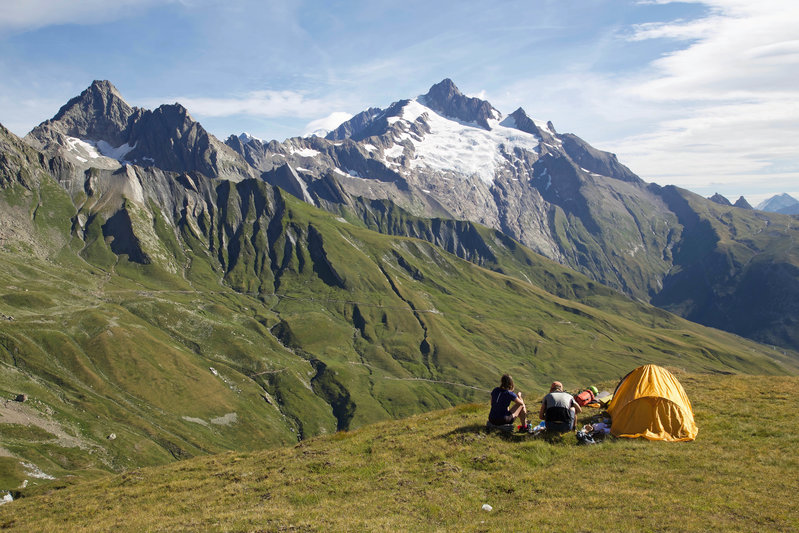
x=465, y=148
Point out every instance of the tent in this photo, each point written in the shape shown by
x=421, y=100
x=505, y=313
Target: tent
x=649, y=402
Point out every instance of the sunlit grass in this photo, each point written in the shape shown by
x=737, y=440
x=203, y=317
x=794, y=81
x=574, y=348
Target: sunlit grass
x=435, y=471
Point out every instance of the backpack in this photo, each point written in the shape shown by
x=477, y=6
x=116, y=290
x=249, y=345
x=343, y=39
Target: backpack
x=584, y=398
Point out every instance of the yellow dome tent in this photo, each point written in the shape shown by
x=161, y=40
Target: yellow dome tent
x=649, y=402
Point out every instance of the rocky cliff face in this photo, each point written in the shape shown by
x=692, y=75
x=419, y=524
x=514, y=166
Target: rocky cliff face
x=445, y=98
x=98, y=114
x=98, y=129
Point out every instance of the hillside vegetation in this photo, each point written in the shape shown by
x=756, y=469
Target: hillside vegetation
x=434, y=472
x=152, y=316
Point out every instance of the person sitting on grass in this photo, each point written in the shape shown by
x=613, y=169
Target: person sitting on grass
x=502, y=398
x=559, y=409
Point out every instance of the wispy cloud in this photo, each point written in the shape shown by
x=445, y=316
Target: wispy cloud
x=681, y=30
x=32, y=14
x=729, y=99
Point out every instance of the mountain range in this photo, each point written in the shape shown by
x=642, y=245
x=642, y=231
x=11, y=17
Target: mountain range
x=184, y=295
x=445, y=155
x=782, y=203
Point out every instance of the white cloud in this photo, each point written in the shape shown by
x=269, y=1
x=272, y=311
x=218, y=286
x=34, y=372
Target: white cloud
x=328, y=123
x=728, y=102
x=740, y=52
x=680, y=30
x=24, y=15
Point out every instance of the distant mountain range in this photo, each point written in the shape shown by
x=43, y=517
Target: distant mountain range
x=449, y=156
x=781, y=203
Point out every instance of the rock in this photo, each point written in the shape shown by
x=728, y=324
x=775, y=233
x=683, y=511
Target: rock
x=112, y=436
x=445, y=98
x=719, y=199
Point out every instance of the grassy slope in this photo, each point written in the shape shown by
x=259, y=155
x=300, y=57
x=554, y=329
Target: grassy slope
x=361, y=327
x=435, y=471
x=126, y=349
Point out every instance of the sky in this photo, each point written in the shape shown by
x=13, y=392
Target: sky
x=699, y=94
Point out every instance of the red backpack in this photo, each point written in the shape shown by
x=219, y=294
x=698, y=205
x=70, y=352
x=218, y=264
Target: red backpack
x=584, y=398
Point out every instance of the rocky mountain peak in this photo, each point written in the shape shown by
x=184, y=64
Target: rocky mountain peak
x=524, y=123
x=742, y=203
x=719, y=199
x=175, y=114
x=355, y=127
x=447, y=99
x=103, y=87
x=780, y=203
x=98, y=113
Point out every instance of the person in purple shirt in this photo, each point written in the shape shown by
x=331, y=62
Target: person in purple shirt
x=507, y=405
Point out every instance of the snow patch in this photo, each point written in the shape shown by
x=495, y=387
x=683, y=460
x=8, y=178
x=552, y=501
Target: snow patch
x=82, y=147
x=85, y=150
x=117, y=153
x=464, y=148
x=305, y=152
x=543, y=126
x=395, y=151
x=246, y=138
x=545, y=174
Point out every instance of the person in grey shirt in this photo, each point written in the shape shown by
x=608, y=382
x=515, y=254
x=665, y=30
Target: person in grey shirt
x=559, y=409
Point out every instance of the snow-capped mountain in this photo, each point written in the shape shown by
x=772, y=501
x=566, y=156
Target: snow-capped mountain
x=445, y=154
x=781, y=203
x=447, y=157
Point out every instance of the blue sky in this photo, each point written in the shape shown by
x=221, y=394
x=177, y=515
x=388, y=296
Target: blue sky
x=704, y=94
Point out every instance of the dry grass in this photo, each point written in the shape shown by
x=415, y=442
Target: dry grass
x=433, y=472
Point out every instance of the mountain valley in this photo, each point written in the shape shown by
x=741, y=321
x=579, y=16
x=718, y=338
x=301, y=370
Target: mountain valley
x=188, y=296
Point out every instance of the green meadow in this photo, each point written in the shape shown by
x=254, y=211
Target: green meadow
x=435, y=471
